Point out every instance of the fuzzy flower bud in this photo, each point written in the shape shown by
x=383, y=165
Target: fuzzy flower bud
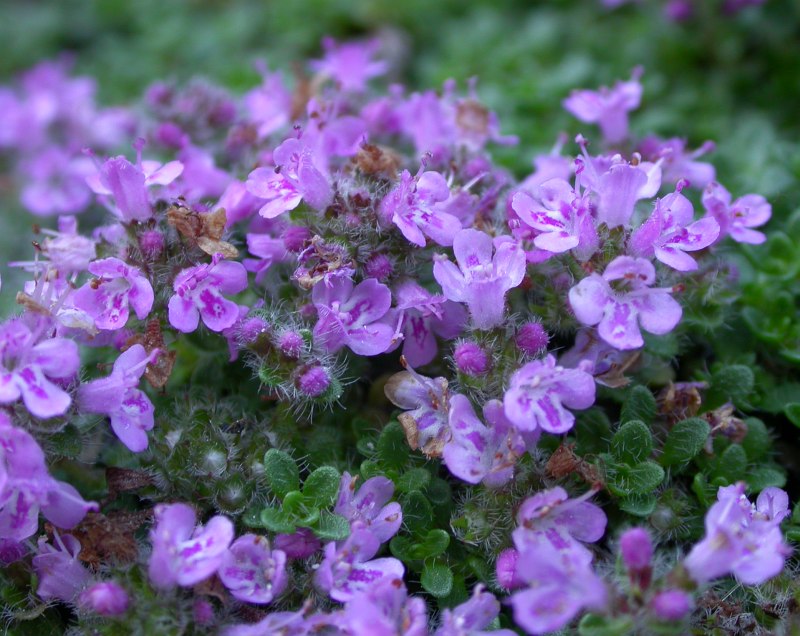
x=151, y=242
x=313, y=382
x=379, y=266
x=471, y=359
x=251, y=328
x=203, y=612
x=636, y=548
x=671, y=605
x=107, y=599
x=290, y=344
x=532, y=338
x=506, y=570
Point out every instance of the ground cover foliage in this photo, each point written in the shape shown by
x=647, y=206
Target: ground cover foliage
x=321, y=354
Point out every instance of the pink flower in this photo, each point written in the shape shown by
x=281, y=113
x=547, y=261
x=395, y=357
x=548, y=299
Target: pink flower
x=252, y=572
x=736, y=219
x=198, y=294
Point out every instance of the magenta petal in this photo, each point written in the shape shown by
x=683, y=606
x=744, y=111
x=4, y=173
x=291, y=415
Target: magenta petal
x=619, y=326
x=183, y=315
x=231, y=276
x=42, y=398
x=588, y=299
x=65, y=507
x=659, y=313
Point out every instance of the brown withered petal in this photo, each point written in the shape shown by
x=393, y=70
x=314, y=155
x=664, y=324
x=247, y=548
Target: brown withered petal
x=680, y=400
x=204, y=230
x=157, y=373
x=377, y=160
x=121, y=480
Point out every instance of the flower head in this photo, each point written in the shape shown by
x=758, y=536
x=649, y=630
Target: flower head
x=736, y=219
x=370, y=505
x=252, y=571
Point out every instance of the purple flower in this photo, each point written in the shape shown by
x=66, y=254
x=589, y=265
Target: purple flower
x=413, y=207
x=107, y=297
x=741, y=538
x=56, y=183
x=107, y=598
x=269, y=105
x=677, y=164
x=539, y=392
x=118, y=396
x=277, y=623
x=559, y=584
x=736, y=219
x=182, y=553
x=295, y=178
x=481, y=280
x=27, y=368
x=350, y=569
x=561, y=216
x=127, y=183
x=670, y=232
x=269, y=251
x=608, y=107
x=370, y=505
x=26, y=486
x=552, y=519
x=198, y=294
x=60, y=573
x=427, y=404
x=636, y=549
x=470, y=618
x=252, y=572
x=298, y=545
x=67, y=250
x=477, y=453
x=385, y=609
x=351, y=316
x=620, y=310
x=350, y=64
x=422, y=317
x=671, y=605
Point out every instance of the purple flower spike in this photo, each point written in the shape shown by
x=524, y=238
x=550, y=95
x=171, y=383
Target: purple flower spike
x=198, y=294
x=412, y=207
x=348, y=570
x=385, y=609
x=370, y=505
x=561, y=216
x=182, y=553
x=559, y=585
x=119, y=397
x=539, y=392
x=481, y=280
x=742, y=539
x=736, y=219
x=608, y=107
x=670, y=232
x=252, y=572
x=422, y=317
x=350, y=316
x=470, y=618
x=621, y=310
x=294, y=179
x=26, y=486
x=60, y=573
x=27, y=368
x=477, y=453
x=107, y=599
x=106, y=298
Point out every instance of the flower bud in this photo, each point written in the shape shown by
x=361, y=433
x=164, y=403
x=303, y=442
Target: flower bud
x=532, y=338
x=313, y=382
x=151, y=242
x=671, y=605
x=203, y=612
x=506, y=569
x=379, y=266
x=636, y=548
x=471, y=359
x=290, y=344
x=107, y=599
x=250, y=329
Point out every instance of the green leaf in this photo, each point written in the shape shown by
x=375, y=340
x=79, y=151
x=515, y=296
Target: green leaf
x=763, y=477
x=624, y=480
x=632, y=443
x=432, y=545
x=294, y=503
x=592, y=432
x=321, y=487
x=276, y=520
x=792, y=411
x=370, y=468
x=414, y=479
x=594, y=625
x=684, y=442
x=639, y=505
x=732, y=383
x=731, y=465
x=281, y=472
x=757, y=442
x=392, y=448
x=417, y=512
x=402, y=546
x=437, y=579
x=640, y=405
x=331, y=527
